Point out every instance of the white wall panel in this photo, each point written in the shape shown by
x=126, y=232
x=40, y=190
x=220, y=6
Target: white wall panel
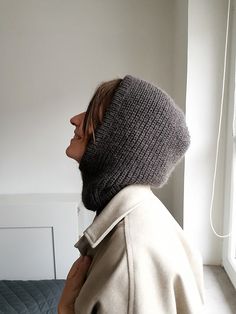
x=39, y=232
x=27, y=252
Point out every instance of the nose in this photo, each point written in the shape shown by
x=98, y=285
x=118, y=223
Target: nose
x=77, y=120
x=74, y=120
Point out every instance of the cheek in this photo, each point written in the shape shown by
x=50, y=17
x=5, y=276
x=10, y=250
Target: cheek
x=78, y=146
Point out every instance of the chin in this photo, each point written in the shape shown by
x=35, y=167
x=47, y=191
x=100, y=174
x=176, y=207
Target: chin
x=72, y=155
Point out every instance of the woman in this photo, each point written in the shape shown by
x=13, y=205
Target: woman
x=131, y=138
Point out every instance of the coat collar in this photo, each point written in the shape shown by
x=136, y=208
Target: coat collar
x=119, y=206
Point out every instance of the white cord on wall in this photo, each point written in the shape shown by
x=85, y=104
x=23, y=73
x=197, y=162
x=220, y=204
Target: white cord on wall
x=219, y=130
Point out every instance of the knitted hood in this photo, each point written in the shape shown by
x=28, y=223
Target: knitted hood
x=141, y=139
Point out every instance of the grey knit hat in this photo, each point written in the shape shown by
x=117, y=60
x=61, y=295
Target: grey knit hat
x=142, y=138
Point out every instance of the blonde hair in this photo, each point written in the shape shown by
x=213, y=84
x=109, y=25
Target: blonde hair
x=98, y=104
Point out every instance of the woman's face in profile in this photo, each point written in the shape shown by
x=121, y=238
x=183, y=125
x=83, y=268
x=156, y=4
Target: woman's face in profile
x=78, y=143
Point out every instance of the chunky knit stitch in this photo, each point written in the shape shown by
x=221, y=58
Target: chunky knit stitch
x=142, y=138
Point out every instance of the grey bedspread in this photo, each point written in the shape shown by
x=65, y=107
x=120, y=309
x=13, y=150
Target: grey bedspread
x=31, y=296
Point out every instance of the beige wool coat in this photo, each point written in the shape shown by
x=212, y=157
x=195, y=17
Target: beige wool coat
x=143, y=262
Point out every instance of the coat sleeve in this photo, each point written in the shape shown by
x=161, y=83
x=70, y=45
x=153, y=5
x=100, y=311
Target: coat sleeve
x=159, y=288
x=166, y=271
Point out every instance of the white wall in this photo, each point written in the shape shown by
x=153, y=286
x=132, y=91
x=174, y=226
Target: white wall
x=179, y=90
x=206, y=36
x=53, y=54
x=172, y=193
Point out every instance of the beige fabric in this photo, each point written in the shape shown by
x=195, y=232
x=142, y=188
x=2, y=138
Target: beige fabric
x=142, y=262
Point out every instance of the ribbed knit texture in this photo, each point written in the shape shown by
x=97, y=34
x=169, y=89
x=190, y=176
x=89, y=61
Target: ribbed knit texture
x=142, y=138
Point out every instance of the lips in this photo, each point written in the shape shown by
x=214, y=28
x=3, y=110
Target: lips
x=76, y=136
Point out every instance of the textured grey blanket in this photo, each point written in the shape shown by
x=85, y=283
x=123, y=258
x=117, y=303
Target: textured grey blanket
x=32, y=296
